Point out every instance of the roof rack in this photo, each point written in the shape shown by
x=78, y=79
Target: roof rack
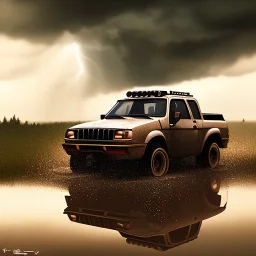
x=156, y=93
x=181, y=93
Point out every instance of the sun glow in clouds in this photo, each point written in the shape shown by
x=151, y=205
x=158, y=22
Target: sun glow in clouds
x=78, y=55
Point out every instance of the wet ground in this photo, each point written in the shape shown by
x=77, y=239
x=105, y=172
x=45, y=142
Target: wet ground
x=214, y=209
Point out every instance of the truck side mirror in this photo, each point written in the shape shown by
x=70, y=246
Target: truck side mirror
x=102, y=116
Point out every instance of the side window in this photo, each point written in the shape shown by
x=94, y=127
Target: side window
x=194, y=108
x=179, y=106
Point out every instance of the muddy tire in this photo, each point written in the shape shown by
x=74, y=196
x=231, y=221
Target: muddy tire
x=210, y=156
x=77, y=164
x=155, y=161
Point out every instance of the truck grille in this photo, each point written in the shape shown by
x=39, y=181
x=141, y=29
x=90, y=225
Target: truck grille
x=95, y=134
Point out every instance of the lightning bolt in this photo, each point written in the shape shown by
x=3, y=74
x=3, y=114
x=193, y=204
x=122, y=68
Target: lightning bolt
x=78, y=59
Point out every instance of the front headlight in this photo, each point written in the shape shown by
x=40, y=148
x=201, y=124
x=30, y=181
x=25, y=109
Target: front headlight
x=70, y=134
x=123, y=135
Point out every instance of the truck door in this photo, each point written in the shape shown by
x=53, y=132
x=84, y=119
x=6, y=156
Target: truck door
x=184, y=133
x=198, y=120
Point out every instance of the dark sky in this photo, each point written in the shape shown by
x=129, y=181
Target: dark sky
x=141, y=42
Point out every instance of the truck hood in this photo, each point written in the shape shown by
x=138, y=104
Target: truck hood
x=126, y=123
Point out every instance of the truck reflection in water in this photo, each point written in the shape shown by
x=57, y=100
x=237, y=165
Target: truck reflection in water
x=170, y=215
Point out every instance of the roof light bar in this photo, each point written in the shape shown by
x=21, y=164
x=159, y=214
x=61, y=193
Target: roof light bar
x=144, y=94
x=129, y=94
x=134, y=94
x=155, y=93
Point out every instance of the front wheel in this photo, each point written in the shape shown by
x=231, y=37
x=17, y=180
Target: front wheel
x=156, y=161
x=78, y=164
x=85, y=163
x=210, y=156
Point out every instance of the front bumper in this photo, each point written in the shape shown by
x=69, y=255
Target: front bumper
x=116, y=151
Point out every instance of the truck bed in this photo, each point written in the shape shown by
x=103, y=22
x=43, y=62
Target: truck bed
x=211, y=116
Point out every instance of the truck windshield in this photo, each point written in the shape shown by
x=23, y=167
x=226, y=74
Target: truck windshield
x=139, y=108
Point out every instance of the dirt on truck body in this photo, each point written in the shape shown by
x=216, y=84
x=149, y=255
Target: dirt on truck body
x=152, y=127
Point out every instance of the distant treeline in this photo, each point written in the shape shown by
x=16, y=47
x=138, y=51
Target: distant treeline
x=15, y=121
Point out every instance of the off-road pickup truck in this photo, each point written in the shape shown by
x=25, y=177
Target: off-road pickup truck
x=151, y=127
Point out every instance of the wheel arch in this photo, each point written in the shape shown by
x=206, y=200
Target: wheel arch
x=156, y=137
x=213, y=135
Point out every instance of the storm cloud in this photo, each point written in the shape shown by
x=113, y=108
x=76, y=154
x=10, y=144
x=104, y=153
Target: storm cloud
x=140, y=43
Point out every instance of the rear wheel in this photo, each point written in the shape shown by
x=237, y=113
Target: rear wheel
x=155, y=161
x=210, y=156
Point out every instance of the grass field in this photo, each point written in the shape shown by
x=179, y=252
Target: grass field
x=34, y=150
x=31, y=149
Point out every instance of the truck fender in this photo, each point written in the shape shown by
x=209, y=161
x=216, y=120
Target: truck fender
x=208, y=134
x=153, y=134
